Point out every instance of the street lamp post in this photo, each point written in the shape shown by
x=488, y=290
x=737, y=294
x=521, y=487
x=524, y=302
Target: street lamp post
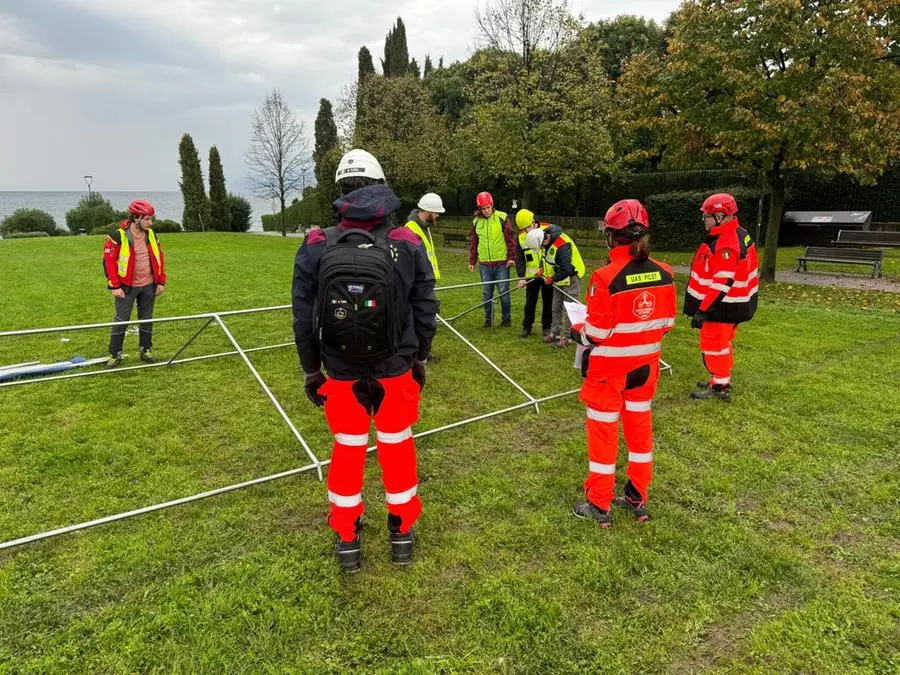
x=88, y=180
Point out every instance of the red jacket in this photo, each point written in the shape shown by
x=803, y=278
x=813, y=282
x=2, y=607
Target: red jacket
x=630, y=306
x=118, y=257
x=724, y=276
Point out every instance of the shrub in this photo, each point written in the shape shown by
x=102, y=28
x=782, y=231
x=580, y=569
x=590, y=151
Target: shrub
x=306, y=212
x=104, y=229
x=25, y=235
x=28, y=221
x=675, y=223
x=241, y=211
x=166, y=225
x=91, y=211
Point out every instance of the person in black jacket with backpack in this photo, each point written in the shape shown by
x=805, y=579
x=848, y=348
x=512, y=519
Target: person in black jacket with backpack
x=364, y=310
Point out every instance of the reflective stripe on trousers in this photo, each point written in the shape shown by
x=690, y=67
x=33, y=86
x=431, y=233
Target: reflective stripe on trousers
x=608, y=401
x=349, y=422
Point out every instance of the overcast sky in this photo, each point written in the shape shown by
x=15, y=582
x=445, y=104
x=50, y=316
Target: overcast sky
x=107, y=87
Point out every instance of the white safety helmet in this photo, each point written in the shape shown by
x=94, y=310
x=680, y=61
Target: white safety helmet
x=534, y=239
x=358, y=162
x=431, y=202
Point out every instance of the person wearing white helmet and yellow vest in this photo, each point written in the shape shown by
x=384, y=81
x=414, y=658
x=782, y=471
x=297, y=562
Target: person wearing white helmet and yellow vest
x=563, y=269
x=421, y=219
x=529, y=267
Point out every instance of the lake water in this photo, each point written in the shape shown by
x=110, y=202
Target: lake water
x=167, y=204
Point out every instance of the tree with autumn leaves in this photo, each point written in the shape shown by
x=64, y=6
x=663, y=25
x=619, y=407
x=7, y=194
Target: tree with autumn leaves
x=771, y=88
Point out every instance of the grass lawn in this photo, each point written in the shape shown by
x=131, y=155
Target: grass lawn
x=773, y=545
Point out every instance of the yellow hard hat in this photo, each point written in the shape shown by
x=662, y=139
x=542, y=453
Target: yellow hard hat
x=524, y=218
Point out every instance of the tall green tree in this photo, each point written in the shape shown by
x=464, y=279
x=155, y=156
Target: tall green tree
x=220, y=211
x=618, y=39
x=772, y=87
x=414, y=69
x=396, y=52
x=428, y=67
x=540, y=98
x=326, y=155
x=398, y=124
x=365, y=67
x=196, y=215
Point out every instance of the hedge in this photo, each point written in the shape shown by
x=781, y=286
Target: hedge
x=25, y=235
x=675, y=223
x=305, y=212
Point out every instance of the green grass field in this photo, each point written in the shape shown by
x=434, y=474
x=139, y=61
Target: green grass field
x=773, y=545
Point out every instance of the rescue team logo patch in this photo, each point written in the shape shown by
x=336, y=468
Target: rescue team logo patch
x=644, y=304
x=644, y=278
x=340, y=313
x=356, y=289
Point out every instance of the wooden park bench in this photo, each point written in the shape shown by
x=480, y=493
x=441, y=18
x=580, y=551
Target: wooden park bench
x=867, y=238
x=842, y=256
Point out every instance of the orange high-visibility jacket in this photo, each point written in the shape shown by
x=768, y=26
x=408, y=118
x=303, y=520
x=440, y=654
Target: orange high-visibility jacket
x=630, y=306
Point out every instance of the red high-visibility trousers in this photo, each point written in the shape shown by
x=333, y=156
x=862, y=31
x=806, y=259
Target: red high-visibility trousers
x=717, y=348
x=608, y=401
x=349, y=421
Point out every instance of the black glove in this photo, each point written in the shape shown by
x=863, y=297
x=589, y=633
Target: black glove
x=418, y=373
x=698, y=320
x=313, y=382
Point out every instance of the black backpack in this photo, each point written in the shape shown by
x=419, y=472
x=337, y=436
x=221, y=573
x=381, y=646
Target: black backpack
x=358, y=314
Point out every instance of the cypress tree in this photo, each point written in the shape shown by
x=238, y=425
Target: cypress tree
x=220, y=212
x=196, y=207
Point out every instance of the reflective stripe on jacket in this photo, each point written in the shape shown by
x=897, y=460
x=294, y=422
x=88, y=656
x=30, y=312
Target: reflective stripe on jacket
x=630, y=306
x=724, y=279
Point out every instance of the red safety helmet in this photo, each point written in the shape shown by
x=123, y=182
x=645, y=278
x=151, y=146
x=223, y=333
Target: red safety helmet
x=721, y=202
x=625, y=213
x=484, y=199
x=141, y=207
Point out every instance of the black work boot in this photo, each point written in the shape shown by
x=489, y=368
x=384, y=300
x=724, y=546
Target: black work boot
x=525, y=333
x=488, y=323
x=719, y=391
x=113, y=361
x=587, y=510
x=146, y=355
x=506, y=323
x=703, y=384
x=633, y=501
x=401, y=544
x=349, y=553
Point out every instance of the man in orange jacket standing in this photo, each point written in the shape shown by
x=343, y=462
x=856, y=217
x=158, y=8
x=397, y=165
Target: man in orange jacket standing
x=721, y=292
x=630, y=307
x=135, y=272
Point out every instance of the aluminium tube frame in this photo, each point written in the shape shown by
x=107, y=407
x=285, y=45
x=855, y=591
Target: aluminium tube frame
x=256, y=481
x=316, y=465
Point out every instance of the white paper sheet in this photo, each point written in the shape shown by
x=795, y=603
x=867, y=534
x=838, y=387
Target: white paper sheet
x=576, y=311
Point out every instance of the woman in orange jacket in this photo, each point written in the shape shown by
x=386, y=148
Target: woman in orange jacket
x=630, y=306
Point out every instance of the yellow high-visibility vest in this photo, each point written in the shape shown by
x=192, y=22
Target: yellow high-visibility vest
x=429, y=245
x=125, y=252
x=550, y=259
x=533, y=259
x=491, y=242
